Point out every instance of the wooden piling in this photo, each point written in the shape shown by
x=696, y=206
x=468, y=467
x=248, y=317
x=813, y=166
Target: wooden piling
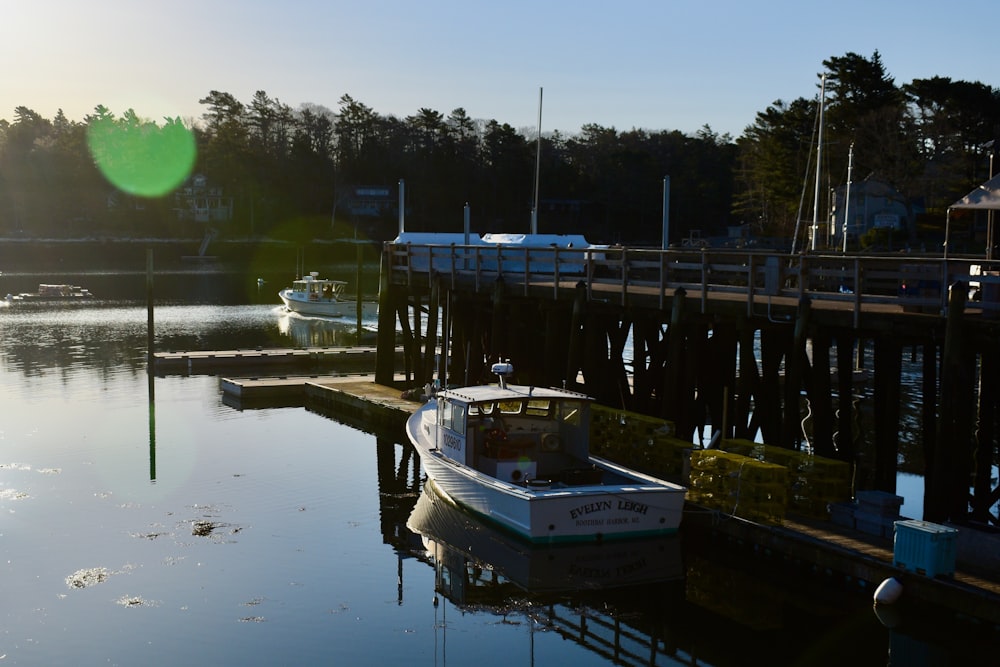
x=941, y=501
x=385, y=340
x=846, y=447
x=795, y=367
x=887, y=364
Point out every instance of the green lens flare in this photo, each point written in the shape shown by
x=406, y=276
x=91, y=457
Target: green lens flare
x=141, y=158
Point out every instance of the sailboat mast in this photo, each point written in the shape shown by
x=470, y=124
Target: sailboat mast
x=819, y=160
x=847, y=196
x=538, y=166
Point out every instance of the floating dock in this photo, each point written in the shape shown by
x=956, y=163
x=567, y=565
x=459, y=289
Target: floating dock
x=352, y=396
x=210, y=361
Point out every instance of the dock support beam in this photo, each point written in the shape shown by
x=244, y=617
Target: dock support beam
x=946, y=480
x=386, y=337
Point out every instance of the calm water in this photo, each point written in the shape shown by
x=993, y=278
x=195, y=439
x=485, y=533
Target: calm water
x=160, y=526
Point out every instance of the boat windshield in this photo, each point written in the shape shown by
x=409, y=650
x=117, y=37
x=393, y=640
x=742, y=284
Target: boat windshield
x=557, y=410
x=325, y=288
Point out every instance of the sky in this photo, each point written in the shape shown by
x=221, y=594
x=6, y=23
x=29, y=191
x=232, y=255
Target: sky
x=627, y=64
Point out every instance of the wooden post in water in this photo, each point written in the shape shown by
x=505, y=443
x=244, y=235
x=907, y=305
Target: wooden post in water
x=774, y=341
x=942, y=500
x=844, y=444
x=888, y=368
x=821, y=396
x=357, y=296
x=150, y=359
x=929, y=404
x=982, y=500
x=747, y=384
x=385, y=356
x=575, y=343
x=402, y=308
x=430, y=340
x=673, y=377
x=446, y=331
x=795, y=361
x=150, y=364
x=416, y=359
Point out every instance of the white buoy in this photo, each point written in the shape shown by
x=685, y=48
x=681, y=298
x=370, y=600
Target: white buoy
x=888, y=591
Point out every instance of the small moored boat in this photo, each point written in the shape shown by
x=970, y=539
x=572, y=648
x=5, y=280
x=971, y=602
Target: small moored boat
x=53, y=292
x=312, y=295
x=519, y=457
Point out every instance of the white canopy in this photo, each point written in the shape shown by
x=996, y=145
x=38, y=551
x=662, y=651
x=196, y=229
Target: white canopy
x=985, y=197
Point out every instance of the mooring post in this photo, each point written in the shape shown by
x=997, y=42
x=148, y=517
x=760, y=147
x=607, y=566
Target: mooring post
x=821, y=395
x=430, y=340
x=675, y=401
x=747, y=382
x=795, y=362
x=385, y=342
x=150, y=364
x=150, y=359
x=357, y=296
x=888, y=375
x=846, y=448
x=941, y=498
x=573, y=351
x=989, y=371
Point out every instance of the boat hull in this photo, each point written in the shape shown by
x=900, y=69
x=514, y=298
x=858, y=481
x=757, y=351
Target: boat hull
x=642, y=506
x=455, y=537
x=326, y=307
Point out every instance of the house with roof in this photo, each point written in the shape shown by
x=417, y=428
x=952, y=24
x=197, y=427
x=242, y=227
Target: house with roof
x=872, y=204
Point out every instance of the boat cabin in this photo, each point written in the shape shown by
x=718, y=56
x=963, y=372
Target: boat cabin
x=522, y=435
x=314, y=288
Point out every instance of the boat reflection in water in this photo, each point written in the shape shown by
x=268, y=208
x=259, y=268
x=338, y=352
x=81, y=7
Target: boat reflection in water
x=457, y=540
x=596, y=594
x=306, y=331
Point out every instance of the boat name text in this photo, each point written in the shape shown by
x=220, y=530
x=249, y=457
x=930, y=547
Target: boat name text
x=606, y=505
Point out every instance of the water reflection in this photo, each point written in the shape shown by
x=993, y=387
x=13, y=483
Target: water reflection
x=323, y=536
x=307, y=331
x=464, y=548
x=611, y=599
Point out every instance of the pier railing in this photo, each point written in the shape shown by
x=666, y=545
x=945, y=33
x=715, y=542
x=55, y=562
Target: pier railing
x=911, y=282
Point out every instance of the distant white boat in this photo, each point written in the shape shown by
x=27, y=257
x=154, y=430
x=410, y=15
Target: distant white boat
x=53, y=292
x=519, y=457
x=312, y=295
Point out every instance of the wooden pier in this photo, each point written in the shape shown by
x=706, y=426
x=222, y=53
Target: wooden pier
x=739, y=343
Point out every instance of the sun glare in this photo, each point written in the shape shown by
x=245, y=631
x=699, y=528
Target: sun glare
x=139, y=157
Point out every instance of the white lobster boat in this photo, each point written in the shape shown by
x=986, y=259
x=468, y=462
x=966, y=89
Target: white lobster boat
x=312, y=295
x=519, y=457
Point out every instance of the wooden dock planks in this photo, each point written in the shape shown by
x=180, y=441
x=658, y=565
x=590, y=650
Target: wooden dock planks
x=356, y=359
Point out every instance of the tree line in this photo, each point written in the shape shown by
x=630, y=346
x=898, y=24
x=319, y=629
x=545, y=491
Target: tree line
x=291, y=173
